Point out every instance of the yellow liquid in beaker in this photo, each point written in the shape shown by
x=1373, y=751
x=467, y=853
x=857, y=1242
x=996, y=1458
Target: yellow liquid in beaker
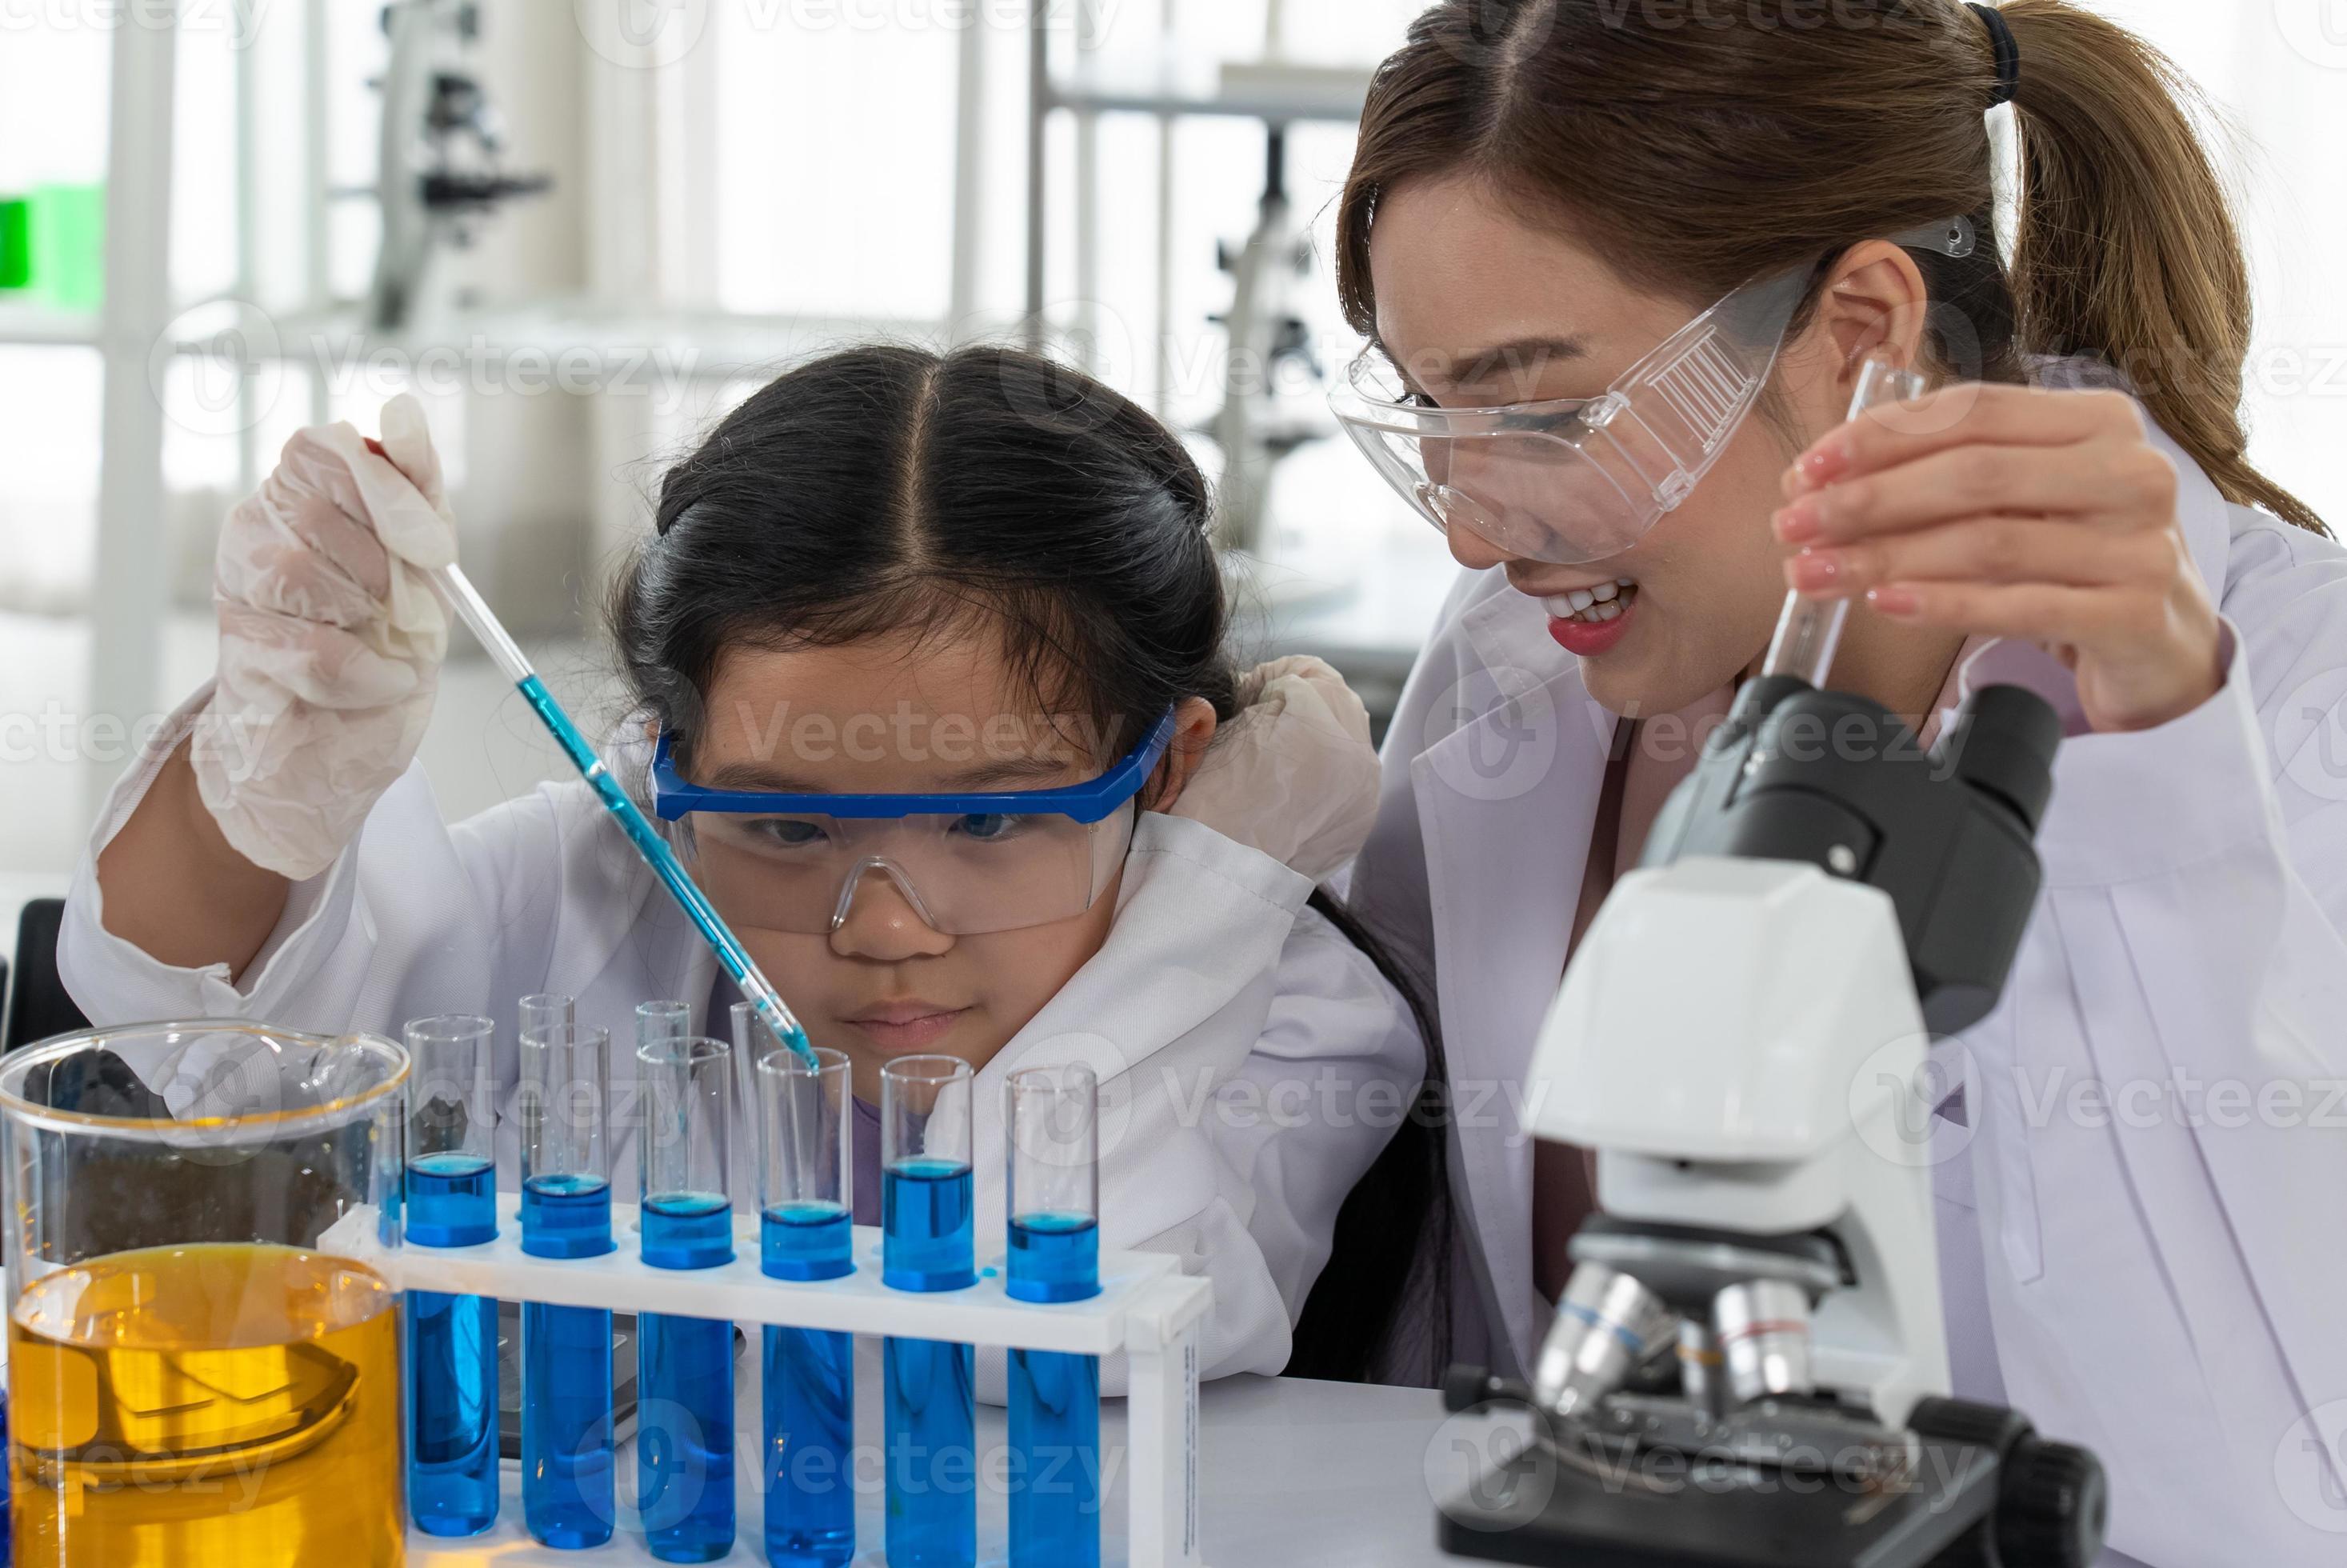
x=206, y=1405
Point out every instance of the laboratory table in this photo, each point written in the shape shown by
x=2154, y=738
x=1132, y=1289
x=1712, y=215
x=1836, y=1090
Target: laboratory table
x=1292, y=1473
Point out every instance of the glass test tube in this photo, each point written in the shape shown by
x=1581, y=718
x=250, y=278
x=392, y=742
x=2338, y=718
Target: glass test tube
x=537, y=1014
x=932, y=1412
x=566, y=1492
x=1808, y=629
x=804, y=1201
x=452, y=1340
x=1052, y=1202
x=684, y=1427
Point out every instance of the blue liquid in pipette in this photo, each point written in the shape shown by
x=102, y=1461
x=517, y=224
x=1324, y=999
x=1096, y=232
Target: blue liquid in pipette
x=931, y=1413
x=451, y=1355
x=684, y=1434
x=1054, y=1402
x=924, y=1219
x=731, y=956
x=810, y=1397
x=810, y=1430
x=567, y=1495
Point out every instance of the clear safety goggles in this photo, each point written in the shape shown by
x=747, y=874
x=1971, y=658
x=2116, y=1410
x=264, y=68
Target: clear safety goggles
x=1578, y=479
x=968, y=864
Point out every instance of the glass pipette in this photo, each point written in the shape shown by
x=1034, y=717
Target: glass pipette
x=735, y=959
x=1808, y=630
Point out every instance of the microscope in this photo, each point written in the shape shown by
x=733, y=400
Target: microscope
x=1272, y=375
x=442, y=145
x=1748, y=1368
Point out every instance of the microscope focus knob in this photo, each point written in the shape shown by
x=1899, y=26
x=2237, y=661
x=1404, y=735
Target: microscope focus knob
x=1464, y=1386
x=2052, y=1506
x=1991, y=1427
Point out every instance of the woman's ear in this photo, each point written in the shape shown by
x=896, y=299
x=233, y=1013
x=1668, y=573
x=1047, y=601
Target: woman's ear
x=1194, y=732
x=1874, y=301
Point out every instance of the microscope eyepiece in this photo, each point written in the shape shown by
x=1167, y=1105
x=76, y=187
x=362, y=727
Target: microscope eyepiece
x=2003, y=742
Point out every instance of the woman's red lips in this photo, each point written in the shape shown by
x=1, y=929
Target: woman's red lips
x=1588, y=639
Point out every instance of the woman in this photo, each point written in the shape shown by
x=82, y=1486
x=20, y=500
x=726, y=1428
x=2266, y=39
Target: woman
x=1546, y=192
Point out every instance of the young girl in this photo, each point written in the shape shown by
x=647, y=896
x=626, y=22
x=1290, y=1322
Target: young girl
x=888, y=572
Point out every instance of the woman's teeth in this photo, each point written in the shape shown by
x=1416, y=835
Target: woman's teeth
x=1602, y=602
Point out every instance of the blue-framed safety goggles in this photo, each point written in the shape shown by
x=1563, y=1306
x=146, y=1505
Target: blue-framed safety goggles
x=968, y=864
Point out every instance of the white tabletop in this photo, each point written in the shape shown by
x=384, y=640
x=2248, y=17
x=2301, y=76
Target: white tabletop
x=1293, y=1473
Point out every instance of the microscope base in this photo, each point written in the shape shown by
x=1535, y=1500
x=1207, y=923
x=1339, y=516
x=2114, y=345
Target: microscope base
x=1549, y=1513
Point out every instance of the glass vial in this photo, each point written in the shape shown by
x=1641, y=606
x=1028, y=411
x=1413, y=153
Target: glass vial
x=452, y=1340
x=684, y=1428
x=567, y=1490
x=931, y=1414
x=1052, y=1202
x=804, y=1201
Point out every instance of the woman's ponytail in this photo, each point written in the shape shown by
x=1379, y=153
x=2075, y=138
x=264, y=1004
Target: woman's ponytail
x=2126, y=246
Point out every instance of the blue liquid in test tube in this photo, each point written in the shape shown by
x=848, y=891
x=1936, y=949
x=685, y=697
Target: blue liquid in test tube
x=1052, y=1197
x=804, y=1233
x=931, y=1415
x=567, y=1491
x=925, y=1207
x=452, y=1340
x=685, y=1433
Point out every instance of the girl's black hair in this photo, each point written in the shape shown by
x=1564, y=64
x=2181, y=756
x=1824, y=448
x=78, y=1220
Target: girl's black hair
x=888, y=488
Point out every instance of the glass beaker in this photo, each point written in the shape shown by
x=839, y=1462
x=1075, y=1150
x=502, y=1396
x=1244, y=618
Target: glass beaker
x=193, y=1379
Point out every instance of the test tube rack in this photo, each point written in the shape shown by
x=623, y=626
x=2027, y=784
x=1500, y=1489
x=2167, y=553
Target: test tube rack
x=1147, y=1310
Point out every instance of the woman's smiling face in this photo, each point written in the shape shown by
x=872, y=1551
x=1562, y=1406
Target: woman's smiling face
x=1481, y=308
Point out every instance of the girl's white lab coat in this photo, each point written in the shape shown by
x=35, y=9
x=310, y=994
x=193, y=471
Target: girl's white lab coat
x=1248, y=1054
x=2140, y=1219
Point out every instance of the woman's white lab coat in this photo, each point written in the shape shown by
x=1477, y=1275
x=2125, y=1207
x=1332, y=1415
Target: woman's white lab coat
x=2142, y=1244
x=1252, y=1060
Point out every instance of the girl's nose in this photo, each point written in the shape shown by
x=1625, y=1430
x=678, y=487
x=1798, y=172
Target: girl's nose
x=883, y=924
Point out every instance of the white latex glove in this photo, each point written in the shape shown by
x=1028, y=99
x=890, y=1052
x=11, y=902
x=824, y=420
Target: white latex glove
x=331, y=640
x=1293, y=774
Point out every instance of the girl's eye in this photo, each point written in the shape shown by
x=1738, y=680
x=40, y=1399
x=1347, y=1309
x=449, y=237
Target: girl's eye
x=786, y=833
x=986, y=827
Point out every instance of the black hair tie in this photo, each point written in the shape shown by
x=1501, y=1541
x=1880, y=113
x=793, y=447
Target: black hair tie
x=2008, y=53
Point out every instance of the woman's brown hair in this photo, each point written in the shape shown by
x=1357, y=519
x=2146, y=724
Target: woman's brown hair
x=1695, y=145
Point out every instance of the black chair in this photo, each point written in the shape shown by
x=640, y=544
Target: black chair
x=39, y=1006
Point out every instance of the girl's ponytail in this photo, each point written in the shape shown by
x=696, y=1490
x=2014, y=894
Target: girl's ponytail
x=2126, y=246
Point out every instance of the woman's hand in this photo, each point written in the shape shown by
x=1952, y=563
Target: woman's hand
x=2020, y=512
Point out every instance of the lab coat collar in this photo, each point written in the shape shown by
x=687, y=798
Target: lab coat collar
x=1169, y=1008
x=1506, y=802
